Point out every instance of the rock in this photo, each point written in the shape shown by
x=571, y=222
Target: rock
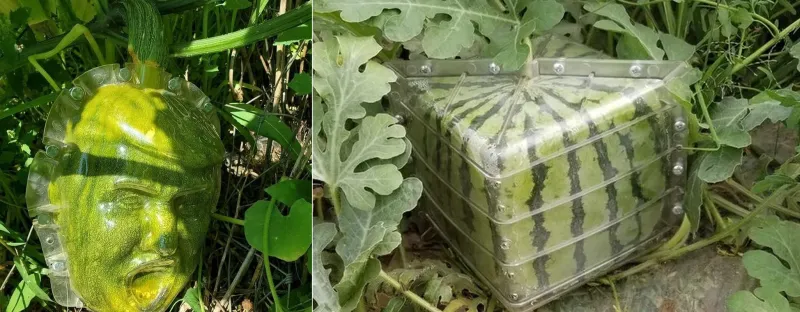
x=699, y=281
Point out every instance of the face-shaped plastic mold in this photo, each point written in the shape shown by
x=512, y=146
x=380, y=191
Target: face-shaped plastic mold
x=124, y=190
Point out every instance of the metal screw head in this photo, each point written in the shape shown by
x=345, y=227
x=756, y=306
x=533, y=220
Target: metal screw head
x=558, y=68
x=76, y=93
x=124, y=74
x=514, y=296
x=501, y=208
x=51, y=151
x=509, y=274
x=400, y=119
x=505, y=244
x=636, y=70
x=678, y=169
x=494, y=68
x=425, y=69
x=207, y=106
x=677, y=209
x=679, y=125
x=174, y=84
x=58, y=266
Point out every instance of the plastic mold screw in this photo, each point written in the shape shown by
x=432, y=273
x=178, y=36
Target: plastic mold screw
x=400, y=119
x=636, y=70
x=425, y=69
x=51, y=151
x=558, y=68
x=680, y=125
x=677, y=209
x=58, y=266
x=76, y=93
x=174, y=84
x=124, y=74
x=494, y=68
x=677, y=169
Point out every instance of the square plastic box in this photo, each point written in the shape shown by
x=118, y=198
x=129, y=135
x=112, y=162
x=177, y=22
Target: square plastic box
x=544, y=178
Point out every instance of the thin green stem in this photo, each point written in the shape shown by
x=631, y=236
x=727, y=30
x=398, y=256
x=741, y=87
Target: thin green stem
x=664, y=255
x=758, y=199
x=265, y=251
x=712, y=209
x=227, y=219
x=760, y=18
x=729, y=206
x=72, y=36
x=704, y=109
x=785, y=32
x=409, y=294
x=28, y=105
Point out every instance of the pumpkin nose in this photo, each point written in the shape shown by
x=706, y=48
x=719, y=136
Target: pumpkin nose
x=162, y=231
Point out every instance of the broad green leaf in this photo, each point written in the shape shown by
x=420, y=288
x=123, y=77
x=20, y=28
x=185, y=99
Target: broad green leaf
x=781, y=238
x=795, y=51
x=742, y=18
x=724, y=18
x=192, y=297
x=719, y=165
x=321, y=289
x=289, y=236
x=240, y=128
x=396, y=304
x=772, y=182
x=343, y=88
x=676, y=48
x=694, y=193
x=761, y=110
x=301, y=84
x=299, y=33
x=365, y=232
x=767, y=301
x=20, y=298
x=446, y=38
x=288, y=191
x=541, y=15
x=727, y=117
x=83, y=10
x=266, y=125
x=646, y=36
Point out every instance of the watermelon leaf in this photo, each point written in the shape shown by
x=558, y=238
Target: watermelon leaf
x=368, y=233
x=321, y=289
x=647, y=37
x=795, y=51
x=765, y=300
x=446, y=38
x=720, y=164
x=343, y=87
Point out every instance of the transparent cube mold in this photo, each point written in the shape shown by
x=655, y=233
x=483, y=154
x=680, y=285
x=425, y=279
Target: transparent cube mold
x=511, y=156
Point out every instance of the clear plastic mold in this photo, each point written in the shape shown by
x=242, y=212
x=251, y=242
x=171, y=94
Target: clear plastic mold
x=122, y=192
x=566, y=162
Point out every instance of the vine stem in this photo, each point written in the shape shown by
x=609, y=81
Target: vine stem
x=760, y=18
x=758, y=199
x=227, y=219
x=785, y=32
x=664, y=255
x=409, y=294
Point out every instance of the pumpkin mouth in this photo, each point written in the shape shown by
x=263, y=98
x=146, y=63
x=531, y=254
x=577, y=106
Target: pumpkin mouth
x=147, y=283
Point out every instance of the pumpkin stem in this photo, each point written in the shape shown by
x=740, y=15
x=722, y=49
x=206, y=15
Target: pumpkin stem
x=146, y=43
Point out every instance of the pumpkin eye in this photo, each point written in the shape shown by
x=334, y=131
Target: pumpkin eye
x=130, y=200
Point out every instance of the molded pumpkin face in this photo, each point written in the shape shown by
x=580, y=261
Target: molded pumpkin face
x=136, y=186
